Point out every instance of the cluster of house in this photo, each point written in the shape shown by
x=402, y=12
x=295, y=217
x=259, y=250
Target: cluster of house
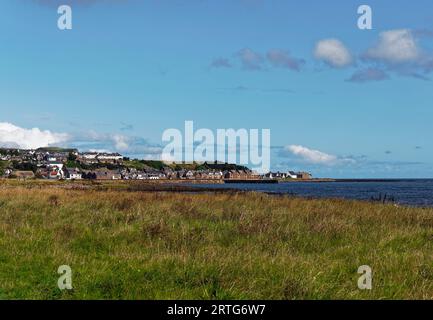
x=52, y=164
x=99, y=157
x=59, y=172
x=51, y=157
x=288, y=175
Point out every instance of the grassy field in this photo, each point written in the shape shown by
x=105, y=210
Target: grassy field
x=149, y=245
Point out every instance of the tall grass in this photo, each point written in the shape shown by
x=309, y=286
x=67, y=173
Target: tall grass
x=135, y=245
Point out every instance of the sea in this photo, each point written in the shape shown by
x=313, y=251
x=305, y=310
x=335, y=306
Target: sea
x=409, y=192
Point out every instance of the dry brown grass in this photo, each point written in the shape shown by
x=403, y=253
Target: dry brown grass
x=142, y=245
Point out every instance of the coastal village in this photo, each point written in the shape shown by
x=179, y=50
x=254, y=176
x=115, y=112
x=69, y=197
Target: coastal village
x=70, y=164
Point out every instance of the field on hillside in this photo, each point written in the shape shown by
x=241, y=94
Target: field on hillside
x=153, y=245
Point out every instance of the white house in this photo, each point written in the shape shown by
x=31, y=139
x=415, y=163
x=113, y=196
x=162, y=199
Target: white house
x=89, y=155
x=109, y=156
x=292, y=175
x=73, y=174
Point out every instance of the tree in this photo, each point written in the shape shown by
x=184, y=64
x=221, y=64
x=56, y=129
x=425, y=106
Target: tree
x=72, y=157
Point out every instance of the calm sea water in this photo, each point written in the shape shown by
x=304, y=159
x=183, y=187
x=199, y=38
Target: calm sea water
x=404, y=192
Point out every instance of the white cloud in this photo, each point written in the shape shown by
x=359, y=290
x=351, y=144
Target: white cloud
x=120, y=142
x=282, y=59
x=401, y=51
x=333, y=52
x=250, y=59
x=103, y=140
x=128, y=145
x=13, y=136
x=395, y=46
x=310, y=155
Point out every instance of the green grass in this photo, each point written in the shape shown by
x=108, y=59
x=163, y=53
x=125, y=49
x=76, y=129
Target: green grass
x=133, y=245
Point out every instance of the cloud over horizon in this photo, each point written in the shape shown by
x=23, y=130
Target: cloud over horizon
x=310, y=155
x=15, y=137
x=128, y=145
x=316, y=157
x=12, y=136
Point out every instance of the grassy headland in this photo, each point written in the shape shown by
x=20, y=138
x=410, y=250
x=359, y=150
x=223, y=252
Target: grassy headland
x=152, y=245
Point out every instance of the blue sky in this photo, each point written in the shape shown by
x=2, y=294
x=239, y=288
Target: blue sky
x=340, y=101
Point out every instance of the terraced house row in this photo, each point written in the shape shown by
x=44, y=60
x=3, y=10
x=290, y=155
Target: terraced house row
x=70, y=164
